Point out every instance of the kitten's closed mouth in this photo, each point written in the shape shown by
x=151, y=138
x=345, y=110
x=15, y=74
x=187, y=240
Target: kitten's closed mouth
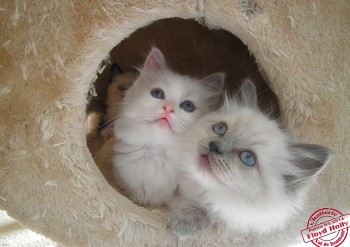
x=163, y=122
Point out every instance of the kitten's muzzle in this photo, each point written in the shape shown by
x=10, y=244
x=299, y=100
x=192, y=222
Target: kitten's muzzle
x=214, y=147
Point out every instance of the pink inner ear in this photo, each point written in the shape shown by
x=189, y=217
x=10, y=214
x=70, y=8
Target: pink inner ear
x=155, y=60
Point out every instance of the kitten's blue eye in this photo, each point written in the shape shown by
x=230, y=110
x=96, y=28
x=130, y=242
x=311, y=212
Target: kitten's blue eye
x=157, y=93
x=220, y=128
x=187, y=106
x=247, y=158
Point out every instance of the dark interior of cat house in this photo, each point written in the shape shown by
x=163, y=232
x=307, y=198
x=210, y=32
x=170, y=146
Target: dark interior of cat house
x=189, y=48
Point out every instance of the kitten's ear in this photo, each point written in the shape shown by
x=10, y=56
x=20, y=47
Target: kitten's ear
x=215, y=81
x=308, y=160
x=246, y=95
x=115, y=70
x=155, y=61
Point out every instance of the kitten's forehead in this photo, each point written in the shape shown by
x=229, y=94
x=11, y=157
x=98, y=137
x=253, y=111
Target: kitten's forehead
x=246, y=127
x=180, y=86
x=176, y=81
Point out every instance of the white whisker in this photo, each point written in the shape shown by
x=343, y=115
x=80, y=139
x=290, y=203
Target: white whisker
x=109, y=122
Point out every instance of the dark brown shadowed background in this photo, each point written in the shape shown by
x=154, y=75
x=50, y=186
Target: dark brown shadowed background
x=192, y=49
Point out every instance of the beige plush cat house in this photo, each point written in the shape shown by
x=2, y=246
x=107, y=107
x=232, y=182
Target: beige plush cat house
x=50, y=52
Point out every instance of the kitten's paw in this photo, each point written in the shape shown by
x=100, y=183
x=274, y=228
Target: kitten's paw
x=189, y=223
x=93, y=122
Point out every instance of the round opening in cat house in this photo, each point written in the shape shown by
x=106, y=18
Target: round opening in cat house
x=188, y=49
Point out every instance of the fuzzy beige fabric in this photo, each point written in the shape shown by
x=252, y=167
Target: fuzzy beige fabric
x=13, y=234
x=50, y=51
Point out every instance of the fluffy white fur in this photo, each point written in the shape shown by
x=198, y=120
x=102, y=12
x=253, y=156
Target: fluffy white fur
x=223, y=189
x=142, y=165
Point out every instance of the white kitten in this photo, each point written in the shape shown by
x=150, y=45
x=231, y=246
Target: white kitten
x=158, y=107
x=242, y=170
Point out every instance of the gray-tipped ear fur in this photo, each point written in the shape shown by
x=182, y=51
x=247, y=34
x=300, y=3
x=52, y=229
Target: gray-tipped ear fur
x=246, y=95
x=215, y=81
x=308, y=160
x=155, y=61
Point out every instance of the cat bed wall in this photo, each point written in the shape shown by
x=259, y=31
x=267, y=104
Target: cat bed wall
x=49, y=56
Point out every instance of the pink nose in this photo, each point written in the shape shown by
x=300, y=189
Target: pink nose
x=168, y=109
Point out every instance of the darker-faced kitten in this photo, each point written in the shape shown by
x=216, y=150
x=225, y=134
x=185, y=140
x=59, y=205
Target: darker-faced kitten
x=101, y=113
x=241, y=170
x=120, y=81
